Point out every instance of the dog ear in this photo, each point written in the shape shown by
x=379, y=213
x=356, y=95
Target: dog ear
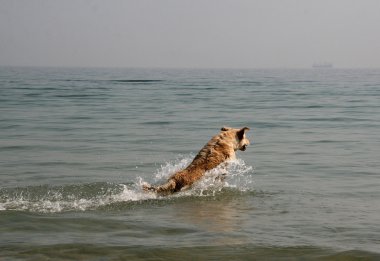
x=224, y=128
x=241, y=132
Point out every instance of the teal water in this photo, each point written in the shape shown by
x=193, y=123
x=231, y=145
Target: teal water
x=76, y=144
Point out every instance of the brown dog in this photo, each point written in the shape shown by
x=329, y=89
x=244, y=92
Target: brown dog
x=219, y=149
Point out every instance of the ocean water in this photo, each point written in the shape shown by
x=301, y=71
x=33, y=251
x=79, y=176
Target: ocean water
x=77, y=143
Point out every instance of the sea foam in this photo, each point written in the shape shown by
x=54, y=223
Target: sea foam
x=91, y=196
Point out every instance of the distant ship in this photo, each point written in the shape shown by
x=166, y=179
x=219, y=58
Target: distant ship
x=322, y=65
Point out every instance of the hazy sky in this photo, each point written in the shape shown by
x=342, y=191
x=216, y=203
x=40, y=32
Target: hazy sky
x=190, y=33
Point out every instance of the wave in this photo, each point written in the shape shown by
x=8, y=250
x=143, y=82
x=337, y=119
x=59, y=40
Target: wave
x=92, y=196
x=132, y=81
x=246, y=251
x=135, y=81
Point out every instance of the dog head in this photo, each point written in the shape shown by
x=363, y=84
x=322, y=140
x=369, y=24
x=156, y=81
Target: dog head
x=241, y=141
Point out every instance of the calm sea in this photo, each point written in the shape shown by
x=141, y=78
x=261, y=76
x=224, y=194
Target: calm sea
x=76, y=144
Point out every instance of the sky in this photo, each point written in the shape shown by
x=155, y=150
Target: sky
x=190, y=33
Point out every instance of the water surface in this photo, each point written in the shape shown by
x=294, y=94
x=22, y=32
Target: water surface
x=76, y=144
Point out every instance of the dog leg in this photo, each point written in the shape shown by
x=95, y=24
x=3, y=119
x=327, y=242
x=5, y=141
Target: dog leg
x=167, y=188
x=185, y=187
x=221, y=178
x=223, y=172
x=148, y=187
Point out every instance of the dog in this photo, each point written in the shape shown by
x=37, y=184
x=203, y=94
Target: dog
x=217, y=151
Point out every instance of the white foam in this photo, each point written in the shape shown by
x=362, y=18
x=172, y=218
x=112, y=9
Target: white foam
x=55, y=199
x=238, y=176
x=170, y=168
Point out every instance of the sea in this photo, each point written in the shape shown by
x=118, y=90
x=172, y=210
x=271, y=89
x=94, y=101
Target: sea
x=76, y=145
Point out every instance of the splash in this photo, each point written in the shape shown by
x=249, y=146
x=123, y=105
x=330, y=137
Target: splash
x=235, y=175
x=50, y=199
x=92, y=196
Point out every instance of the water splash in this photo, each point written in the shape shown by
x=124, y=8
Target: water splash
x=66, y=198
x=82, y=197
x=236, y=174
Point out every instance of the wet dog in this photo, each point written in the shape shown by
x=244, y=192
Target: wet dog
x=218, y=150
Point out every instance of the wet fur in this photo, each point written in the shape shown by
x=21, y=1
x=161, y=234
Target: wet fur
x=218, y=150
